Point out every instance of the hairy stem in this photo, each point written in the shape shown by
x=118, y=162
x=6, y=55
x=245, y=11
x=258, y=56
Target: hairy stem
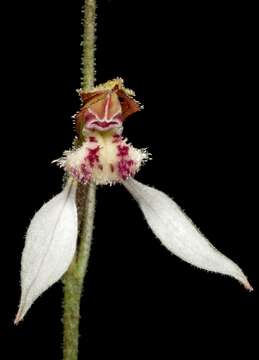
x=88, y=43
x=74, y=277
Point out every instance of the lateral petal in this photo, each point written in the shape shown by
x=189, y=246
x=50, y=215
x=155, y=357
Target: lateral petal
x=178, y=234
x=49, y=247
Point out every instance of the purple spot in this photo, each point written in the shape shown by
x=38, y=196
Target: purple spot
x=85, y=173
x=123, y=150
x=92, y=139
x=116, y=138
x=93, y=156
x=125, y=168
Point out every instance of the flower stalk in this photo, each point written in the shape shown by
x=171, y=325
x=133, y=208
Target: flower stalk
x=73, y=280
x=88, y=44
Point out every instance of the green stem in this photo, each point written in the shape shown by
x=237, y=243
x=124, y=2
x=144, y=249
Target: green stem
x=88, y=43
x=74, y=277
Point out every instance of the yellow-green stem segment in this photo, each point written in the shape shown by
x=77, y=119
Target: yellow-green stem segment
x=74, y=278
x=88, y=44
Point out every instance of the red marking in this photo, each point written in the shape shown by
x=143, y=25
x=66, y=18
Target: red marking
x=88, y=117
x=104, y=124
x=116, y=138
x=125, y=168
x=92, y=139
x=118, y=118
x=107, y=105
x=123, y=150
x=93, y=156
x=85, y=173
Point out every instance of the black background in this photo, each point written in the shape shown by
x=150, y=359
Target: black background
x=194, y=66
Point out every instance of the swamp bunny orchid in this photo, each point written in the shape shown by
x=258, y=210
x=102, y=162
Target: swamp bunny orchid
x=102, y=156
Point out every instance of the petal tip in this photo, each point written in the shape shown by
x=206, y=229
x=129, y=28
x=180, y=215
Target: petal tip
x=248, y=286
x=18, y=317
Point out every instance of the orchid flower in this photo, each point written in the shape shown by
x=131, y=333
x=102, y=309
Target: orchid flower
x=105, y=157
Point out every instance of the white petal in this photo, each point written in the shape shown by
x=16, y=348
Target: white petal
x=49, y=247
x=178, y=234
